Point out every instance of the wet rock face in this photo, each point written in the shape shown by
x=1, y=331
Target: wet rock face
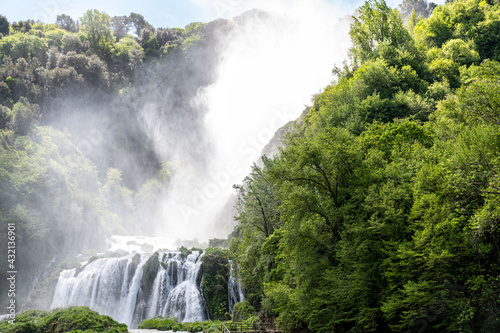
x=149, y=273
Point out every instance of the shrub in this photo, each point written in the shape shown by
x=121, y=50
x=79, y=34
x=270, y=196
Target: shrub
x=159, y=323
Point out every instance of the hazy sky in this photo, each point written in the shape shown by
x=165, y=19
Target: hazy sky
x=160, y=13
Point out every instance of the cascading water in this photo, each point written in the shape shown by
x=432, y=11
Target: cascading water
x=235, y=293
x=117, y=287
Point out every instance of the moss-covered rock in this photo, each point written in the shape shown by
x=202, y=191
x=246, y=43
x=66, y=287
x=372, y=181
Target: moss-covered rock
x=133, y=266
x=74, y=319
x=22, y=328
x=159, y=323
x=215, y=282
x=171, y=323
x=149, y=272
x=184, y=252
x=173, y=273
x=80, y=318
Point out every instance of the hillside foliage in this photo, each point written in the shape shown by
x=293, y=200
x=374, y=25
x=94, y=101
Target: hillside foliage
x=381, y=214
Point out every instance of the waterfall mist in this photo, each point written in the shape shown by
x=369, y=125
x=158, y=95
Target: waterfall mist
x=203, y=117
x=270, y=66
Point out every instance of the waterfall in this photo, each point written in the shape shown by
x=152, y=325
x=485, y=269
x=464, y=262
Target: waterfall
x=235, y=293
x=116, y=287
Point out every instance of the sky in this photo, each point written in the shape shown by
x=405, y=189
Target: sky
x=159, y=13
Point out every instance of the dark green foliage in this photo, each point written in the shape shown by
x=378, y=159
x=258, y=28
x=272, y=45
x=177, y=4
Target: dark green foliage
x=217, y=242
x=4, y=26
x=243, y=311
x=120, y=26
x=65, y=22
x=23, y=26
x=139, y=23
x=387, y=199
x=216, y=279
x=184, y=252
x=24, y=115
x=487, y=40
x=5, y=117
x=258, y=218
x=73, y=319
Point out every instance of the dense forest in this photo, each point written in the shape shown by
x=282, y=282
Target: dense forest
x=379, y=213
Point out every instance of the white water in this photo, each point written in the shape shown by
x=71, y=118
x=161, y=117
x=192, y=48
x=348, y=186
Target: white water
x=235, y=293
x=112, y=286
x=139, y=244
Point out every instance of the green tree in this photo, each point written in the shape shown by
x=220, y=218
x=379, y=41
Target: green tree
x=487, y=39
x=4, y=26
x=54, y=37
x=420, y=7
x=139, y=23
x=376, y=24
x=24, y=116
x=92, y=68
x=120, y=26
x=65, y=22
x=434, y=31
x=254, y=239
x=257, y=202
x=23, y=26
x=70, y=42
x=5, y=117
x=314, y=176
x=127, y=56
x=411, y=22
x=95, y=25
x=460, y=52
x=21, y=45
x=478, y=100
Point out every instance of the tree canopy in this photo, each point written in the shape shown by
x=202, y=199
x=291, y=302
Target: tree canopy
x=385, y=198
